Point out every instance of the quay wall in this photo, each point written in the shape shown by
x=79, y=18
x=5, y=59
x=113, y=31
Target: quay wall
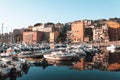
x=105, y=44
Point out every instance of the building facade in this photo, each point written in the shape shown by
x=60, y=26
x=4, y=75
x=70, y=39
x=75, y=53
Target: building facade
x=18, y=35
x=38, y=27
x=53, y=37
x=77, y=31
x=100, y=34
x=32, y=37
x=113, y=30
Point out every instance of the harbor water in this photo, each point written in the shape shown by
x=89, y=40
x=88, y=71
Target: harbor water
x=83, y=69
x=65, y=73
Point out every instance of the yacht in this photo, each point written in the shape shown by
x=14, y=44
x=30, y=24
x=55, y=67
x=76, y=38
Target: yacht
x=59, y=55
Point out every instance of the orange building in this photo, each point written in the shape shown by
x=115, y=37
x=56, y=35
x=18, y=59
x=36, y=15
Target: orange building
x=31, y=37
x=77, y=30
x=114, y=30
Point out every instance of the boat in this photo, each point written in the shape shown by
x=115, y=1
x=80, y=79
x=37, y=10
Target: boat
x=14, y=62
x=58, y=55
x=113, y=48
x=9, y=52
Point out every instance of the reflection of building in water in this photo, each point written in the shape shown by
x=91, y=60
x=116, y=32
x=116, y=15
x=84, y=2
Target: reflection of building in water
x=109, y=62
x=114, y=62
x=100, y=58
x=100, y=61
x=80, y=65
x=83, y=65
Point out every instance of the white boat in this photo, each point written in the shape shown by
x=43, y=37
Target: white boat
x=14, y=62
x=113, y=48
x=9, y=52
x=59, y=55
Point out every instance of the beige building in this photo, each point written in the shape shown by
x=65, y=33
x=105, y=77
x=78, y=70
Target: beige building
x=52, y=37
x=38, y=28
x=101, y=34
x=42, y=28
x=77, y=31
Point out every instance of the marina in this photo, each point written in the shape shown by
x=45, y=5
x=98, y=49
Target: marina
x=59, y=40
x=76, y=60
x=82, y=69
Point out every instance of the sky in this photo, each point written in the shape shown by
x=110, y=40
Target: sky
x=16, y=14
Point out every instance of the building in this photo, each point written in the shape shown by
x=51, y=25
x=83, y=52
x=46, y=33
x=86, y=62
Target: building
x=68, y=38
x=45, y=37
x=42, y=27
x=77, y=31
x=38, y=27
x=18, y=35
x=81, y=31
x=87, y=22
x=52, y=37
x=115, y=19
x=113, y=30
x=88, y=34
x=30, y=28
x=49, y=27
x=100, y=34
x=32, y=37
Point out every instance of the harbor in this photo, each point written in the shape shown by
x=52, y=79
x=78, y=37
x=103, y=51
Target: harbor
x=59, y=40
x=17, y=63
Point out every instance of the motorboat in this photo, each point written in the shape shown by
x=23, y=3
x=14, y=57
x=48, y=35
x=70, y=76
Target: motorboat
x=113, y=48
x=14, y=62
x=9, y=52
x=59, y=55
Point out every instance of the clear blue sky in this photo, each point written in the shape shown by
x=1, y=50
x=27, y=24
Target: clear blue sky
x=22, y=13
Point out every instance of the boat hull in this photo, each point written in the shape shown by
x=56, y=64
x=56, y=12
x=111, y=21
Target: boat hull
x=58, y=57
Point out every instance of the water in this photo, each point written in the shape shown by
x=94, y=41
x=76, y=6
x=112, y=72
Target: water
x=65, y=73
x=80, y=70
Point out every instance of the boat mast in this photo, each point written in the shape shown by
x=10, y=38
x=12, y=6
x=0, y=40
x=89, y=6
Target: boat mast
x=2, y=33
x=6, y=37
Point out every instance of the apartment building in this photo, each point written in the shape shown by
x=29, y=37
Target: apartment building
x=32, y=37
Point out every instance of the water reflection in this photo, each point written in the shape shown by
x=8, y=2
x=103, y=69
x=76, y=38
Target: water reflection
x=114, y=61
x=108, y=62
x=24, y=70
x=48, y=63
x=105, y=62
